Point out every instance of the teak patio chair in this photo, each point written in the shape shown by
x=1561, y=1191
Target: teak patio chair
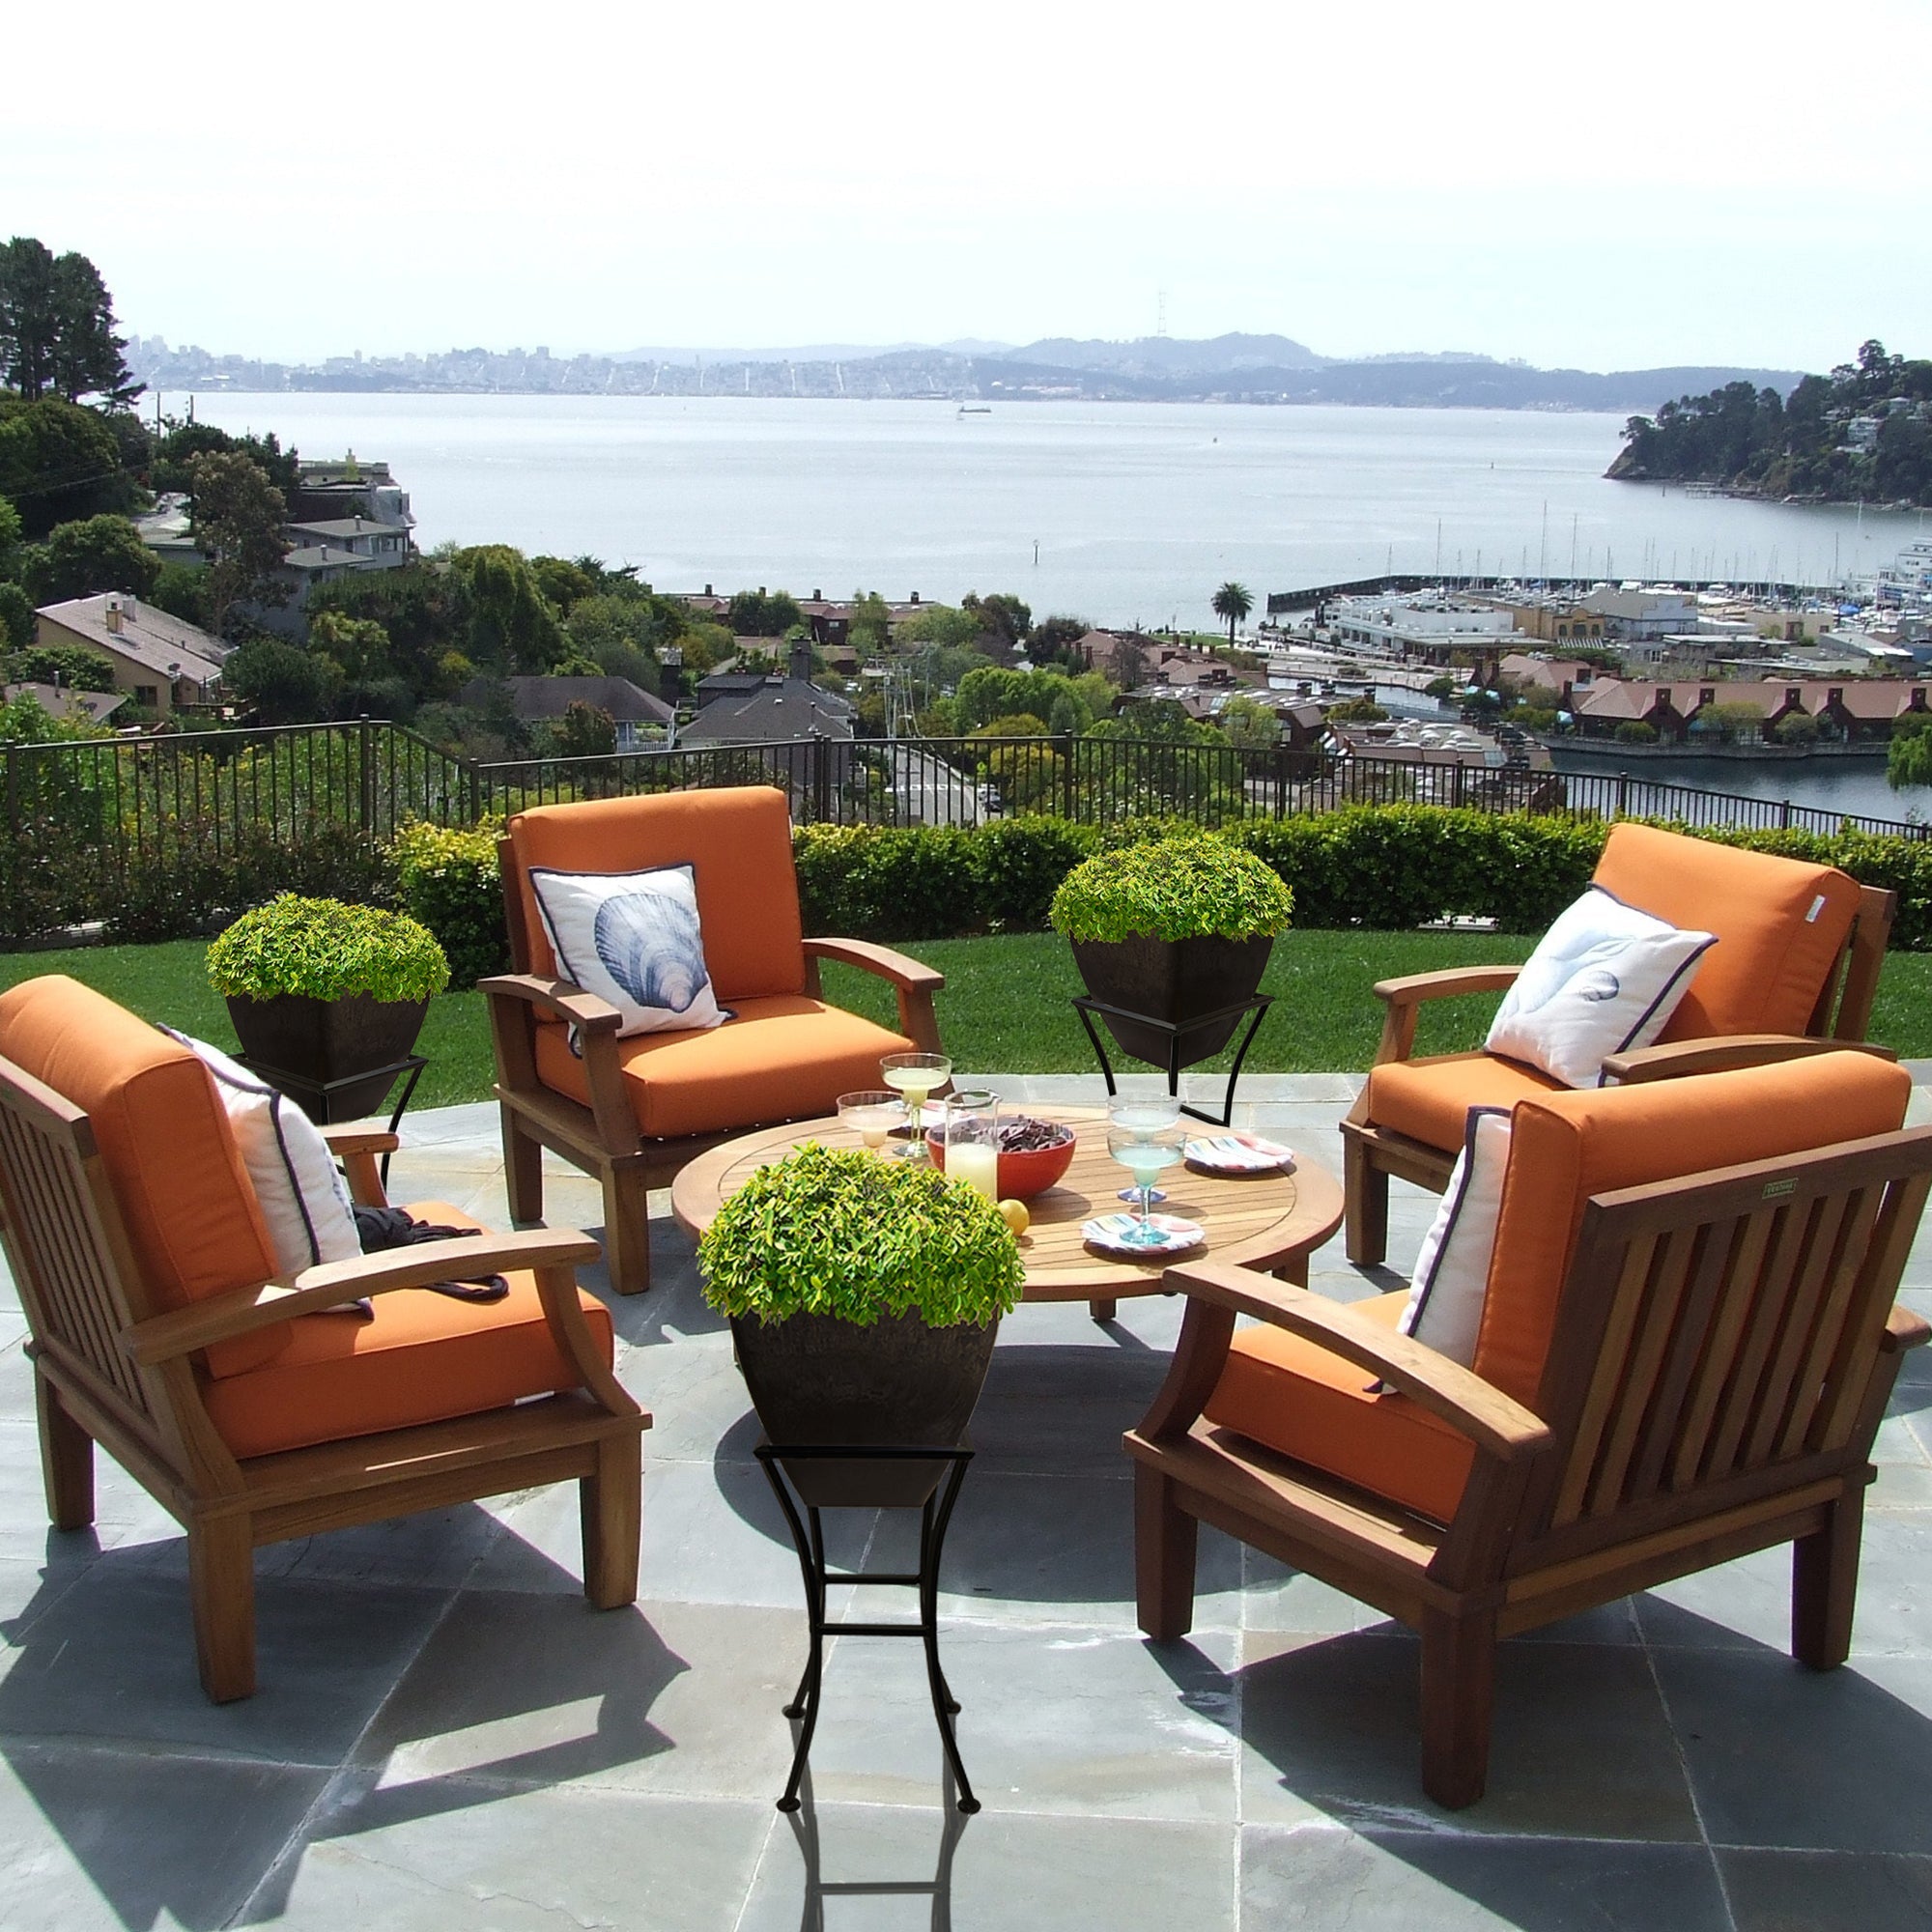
x=158, y=1331
x=1799, y=948
x=634, y=1111
x=1675, y=1368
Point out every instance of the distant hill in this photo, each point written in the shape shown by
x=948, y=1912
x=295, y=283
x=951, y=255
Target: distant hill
x=1164, y=356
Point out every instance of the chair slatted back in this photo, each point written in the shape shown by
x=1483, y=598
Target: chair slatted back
x=1717, y=1335
x=64, y=1242
x=1845, y=1001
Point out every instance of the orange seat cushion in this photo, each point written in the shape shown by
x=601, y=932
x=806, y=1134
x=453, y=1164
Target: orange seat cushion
x=1782, y=925
x=1430, y=1100
x=184, y=1197
x=1295, y=1396
x=779, y=1059
x=1566, y=1147
x=737, y=841
x=425, y=1357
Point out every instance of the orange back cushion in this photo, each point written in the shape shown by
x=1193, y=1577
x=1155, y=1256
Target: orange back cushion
x=1780, y=924
x=164, y=1136
x=1564, y=1148
x=737, y=842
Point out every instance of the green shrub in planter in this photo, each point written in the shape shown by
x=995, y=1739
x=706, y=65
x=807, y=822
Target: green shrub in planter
x=842, y=1233
x=326, y=950
x=1198, y=887
x=449, y=879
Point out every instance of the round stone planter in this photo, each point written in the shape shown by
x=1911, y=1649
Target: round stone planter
x=816, y=1381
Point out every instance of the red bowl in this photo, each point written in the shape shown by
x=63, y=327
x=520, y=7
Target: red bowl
x=1022, y=1176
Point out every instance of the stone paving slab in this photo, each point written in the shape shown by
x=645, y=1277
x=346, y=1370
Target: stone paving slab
x=447, y=1736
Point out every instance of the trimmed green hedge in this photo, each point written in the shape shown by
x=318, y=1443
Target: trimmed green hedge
x=1390, y=868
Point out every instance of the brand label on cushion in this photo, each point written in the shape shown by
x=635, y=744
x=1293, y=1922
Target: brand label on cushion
x=1605, y=978
x=633, y=939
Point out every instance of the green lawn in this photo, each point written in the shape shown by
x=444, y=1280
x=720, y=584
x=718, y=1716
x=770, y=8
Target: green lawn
x=1006, y=1005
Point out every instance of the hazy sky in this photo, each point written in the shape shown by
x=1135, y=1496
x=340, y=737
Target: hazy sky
x=1659, y=182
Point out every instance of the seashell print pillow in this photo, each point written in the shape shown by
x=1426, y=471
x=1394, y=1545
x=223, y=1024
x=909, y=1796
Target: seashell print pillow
x=631, y=938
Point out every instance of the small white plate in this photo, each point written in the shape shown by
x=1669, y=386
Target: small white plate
x=1238, y=1153
x=1177, y=1237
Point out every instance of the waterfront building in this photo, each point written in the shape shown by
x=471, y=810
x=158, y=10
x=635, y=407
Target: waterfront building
x=1428, y=629
x=1850, y=710
x=1636, y=615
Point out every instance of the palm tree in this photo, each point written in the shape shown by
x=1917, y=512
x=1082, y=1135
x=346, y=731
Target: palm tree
x=1233, y=601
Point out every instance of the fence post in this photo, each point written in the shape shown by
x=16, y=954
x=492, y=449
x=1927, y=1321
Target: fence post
x=367, y=784
x=1622, y=791
x=822, y=787
x=1066, y=743
x=15, y=923
x=1460, y=768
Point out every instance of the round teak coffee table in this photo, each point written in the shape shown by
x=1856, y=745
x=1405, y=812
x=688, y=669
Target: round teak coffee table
x=1268, y=1221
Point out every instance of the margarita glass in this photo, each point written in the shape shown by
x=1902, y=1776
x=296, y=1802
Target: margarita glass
x=915, y=1075
x=1144, y=1137
x=871, y=1114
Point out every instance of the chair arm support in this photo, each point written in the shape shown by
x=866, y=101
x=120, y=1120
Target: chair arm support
x=557, y=997
x=1904, y=1328
x=915, y=984
x=356, y=1138
x=1724, y=1052
x=357, y=1148
x=514, y=999
x=1404, y=996
x=1496, y=1425
x=163, y=1338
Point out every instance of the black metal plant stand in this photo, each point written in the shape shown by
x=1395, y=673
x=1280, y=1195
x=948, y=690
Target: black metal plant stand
x=1085, y=1005
x=315, y=1097
x=935, y=1513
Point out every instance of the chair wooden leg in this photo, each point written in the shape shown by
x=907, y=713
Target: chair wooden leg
x=1366, y=1193
x=612, y=1505
x=1825, y=1584
x=1103, y=1311
x=221, y=1582
x=67, y=1460
x=627, y=1229
x=1165, y=1537
x=1458, y=1688
x=522, y=1172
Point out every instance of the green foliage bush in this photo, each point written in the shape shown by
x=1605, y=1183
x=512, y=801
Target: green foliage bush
x=842, y=1233
x=185, y=894
x=326, y=950
x=448, y=879
x=1186, y=888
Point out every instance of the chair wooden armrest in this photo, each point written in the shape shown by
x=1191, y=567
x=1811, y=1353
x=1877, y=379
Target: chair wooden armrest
x=1904, y=1328
x=1722, y=1053
x=182, y=1331
x=357, y=1145
x=915, y=984
x=356, y=1137
x=1497, y=1425
x=515, y=999
x=1405, y=996
x=557, y=997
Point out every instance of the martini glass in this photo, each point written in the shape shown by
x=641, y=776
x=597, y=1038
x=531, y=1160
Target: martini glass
x=1144, y=1145
x=871, y=1114
x=915, y=1075
x=1155, y=1114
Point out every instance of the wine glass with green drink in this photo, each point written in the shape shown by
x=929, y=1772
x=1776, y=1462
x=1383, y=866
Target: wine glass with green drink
x=915, y=1075
x=1144, y=1137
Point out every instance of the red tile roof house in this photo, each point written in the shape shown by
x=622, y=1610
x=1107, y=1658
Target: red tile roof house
x=1848, y=712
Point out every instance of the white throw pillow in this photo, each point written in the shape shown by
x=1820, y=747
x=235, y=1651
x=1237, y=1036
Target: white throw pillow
x=631, y=938
x=1604, y=978
x=303, y=1195
x=1452, y=1270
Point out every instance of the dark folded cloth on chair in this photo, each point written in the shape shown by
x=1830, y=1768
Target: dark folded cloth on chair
x=381, y=1229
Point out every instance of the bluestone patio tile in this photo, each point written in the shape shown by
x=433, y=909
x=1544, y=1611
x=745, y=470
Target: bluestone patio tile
x=1827, y=1892
x=1784, y=1757
x=94, y=1840
x=413, y=1858
x=1321, y=1877
x=1580, y=1747
x=1007, y=1872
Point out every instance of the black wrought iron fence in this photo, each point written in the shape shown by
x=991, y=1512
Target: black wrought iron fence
x=93, y=825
